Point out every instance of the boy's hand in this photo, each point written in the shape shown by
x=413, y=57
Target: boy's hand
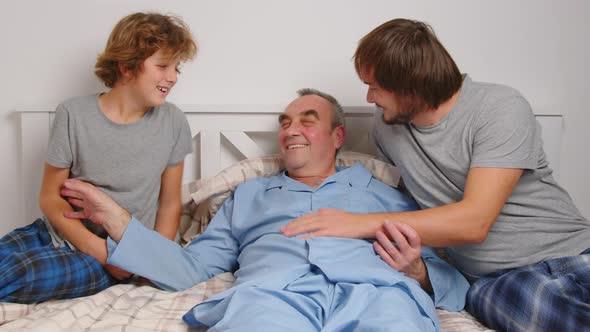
x=118, y=273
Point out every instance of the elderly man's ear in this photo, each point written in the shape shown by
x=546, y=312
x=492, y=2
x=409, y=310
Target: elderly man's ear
x=339, y=134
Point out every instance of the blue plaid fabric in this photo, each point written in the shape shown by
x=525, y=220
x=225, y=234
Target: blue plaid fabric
x=553, y=295
x=33, y=270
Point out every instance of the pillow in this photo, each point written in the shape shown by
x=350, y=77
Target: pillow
x=202, y=198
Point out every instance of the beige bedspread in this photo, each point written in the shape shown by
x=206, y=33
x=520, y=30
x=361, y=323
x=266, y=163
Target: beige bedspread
x=128, y=308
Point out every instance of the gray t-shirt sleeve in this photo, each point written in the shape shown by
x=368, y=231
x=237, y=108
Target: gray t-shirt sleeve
x=506, y=136
x=184, y=144
x=59, y=151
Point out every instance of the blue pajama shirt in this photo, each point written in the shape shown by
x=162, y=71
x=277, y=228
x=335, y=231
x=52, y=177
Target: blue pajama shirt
x=323, y=283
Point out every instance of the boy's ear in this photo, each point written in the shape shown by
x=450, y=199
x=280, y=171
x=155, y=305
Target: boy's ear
x=125, y=72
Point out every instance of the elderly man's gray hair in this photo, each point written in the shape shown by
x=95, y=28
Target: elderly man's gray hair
x=337, y=111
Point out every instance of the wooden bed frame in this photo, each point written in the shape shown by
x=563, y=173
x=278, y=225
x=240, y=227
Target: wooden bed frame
x=223, y=134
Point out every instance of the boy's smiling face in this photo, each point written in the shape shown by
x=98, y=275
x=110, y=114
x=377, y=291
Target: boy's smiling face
x=157, y=77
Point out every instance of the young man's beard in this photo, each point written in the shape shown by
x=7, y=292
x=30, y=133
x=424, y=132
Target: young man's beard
x=408, y=108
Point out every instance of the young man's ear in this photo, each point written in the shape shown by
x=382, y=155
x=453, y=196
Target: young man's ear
x=339, y=135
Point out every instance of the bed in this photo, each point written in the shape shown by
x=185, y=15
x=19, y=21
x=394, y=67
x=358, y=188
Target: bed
x=241, y=141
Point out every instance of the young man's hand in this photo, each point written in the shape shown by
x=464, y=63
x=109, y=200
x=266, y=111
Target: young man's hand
x=334, y=223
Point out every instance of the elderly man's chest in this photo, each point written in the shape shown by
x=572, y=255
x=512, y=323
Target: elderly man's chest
x=265, y=213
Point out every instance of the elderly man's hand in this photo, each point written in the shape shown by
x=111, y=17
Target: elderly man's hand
x=96, y=206
x=332, y=222
x=406, y=254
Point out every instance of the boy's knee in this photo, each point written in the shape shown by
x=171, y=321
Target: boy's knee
x=29, y=264
x=15, y=263
x=14, y=279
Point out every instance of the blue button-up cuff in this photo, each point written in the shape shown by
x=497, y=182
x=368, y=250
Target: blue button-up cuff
x=112, y=246
x=448, y=285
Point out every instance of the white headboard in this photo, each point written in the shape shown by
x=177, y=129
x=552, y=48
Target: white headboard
x=224, y=134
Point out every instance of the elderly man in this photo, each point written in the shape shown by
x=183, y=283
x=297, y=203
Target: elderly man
x=471, y=155
x=291, y=284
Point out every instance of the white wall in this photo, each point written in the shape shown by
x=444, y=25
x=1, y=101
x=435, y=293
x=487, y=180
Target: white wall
x=260, y=52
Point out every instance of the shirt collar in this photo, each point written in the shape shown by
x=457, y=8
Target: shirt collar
x=356, y=176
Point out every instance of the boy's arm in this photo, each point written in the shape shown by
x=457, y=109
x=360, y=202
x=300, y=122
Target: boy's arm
x=53, y=206
x=170, y=208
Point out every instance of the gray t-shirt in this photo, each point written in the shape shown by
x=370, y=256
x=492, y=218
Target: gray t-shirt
x=125, y=161
x=489, y=126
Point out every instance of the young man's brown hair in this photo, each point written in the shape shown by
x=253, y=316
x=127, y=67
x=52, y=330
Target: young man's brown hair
x=405, y=57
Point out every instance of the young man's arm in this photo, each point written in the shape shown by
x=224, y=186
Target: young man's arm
x=54, y=206
x=463, y=222
x=170, y=207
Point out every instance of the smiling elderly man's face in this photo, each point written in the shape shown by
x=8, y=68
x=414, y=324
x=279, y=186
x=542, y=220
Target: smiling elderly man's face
x=307, y=141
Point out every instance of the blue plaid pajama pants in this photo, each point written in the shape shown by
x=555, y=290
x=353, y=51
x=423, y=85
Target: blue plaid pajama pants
x=553, y=295
x=33, y=270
